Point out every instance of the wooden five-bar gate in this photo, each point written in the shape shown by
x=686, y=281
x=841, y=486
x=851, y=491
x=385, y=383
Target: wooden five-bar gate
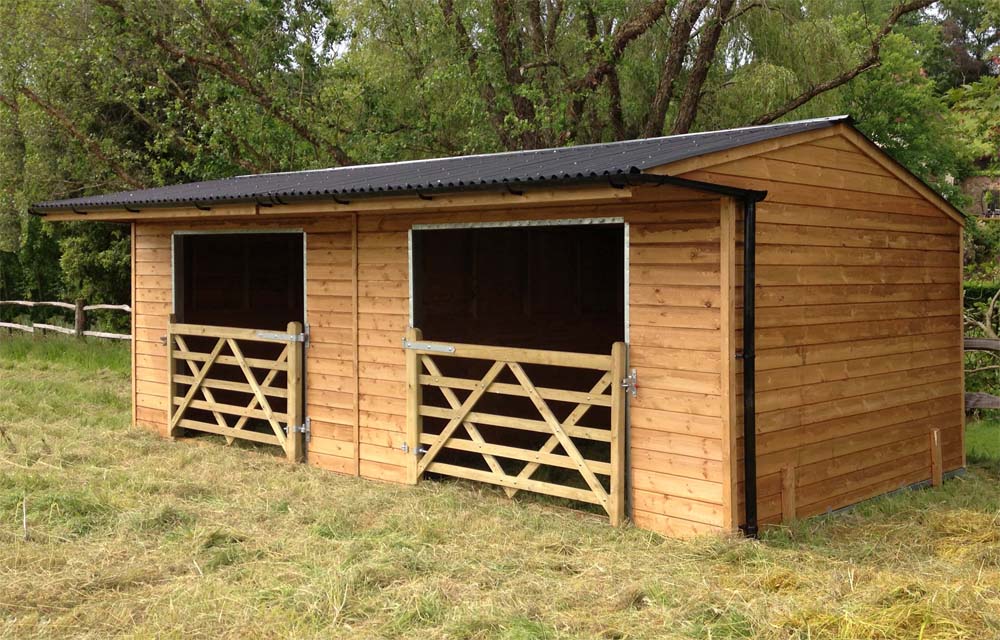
x=240, y=383
x=566, y=438
x=587, y=462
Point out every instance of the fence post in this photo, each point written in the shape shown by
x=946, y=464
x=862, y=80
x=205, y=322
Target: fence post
x=79, y=319
x=788, y=500
x=413, y=402
x=293, y=439
x=616, y=495
x=937, y=467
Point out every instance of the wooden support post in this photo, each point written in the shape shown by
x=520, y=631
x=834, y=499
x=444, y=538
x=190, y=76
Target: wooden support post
x=413, y=402
x=937, y=467
x=616, y=495
x=79, y=319
x=171, y=382
x=293, y=439
x=788, y=500
x=731, y=424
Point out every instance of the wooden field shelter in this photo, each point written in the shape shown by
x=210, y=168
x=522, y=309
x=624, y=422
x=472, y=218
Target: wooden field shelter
x=569, y=321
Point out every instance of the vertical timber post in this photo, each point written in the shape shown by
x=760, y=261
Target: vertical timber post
x=937, y=465
x=728, y=370
x=616, y=495
x=413, y=401
x=171, y=382
x=293, y=439
x=79, y=319
x=788, y=499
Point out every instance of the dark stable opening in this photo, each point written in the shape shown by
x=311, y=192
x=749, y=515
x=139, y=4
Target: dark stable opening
x=559, y=288
x=243, y=280
x=248, y=280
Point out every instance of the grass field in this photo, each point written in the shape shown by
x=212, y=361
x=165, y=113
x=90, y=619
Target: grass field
x=132, y=536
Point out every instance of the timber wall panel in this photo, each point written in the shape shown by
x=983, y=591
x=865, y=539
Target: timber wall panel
x=859, y=350
x=675, y=338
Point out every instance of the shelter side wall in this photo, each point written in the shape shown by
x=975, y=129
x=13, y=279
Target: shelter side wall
x=859, y=336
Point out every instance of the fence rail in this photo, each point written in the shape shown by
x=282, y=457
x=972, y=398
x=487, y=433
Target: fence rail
x=979, y=399
x=79, y=328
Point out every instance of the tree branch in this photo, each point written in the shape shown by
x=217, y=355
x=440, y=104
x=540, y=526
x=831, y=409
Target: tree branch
x=677, y=46
x=688, y=109
x=486, y=89
x=230, y=73
x=870, y=61
x=10, y=103
x=95, y=149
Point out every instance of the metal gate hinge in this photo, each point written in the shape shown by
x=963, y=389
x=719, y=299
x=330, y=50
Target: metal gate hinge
x=405, y=448
x=285, y=337
x=305, y=429
x=631, y=383
x=428, y=346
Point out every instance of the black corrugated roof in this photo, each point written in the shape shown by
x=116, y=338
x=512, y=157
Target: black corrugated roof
x=516, y=168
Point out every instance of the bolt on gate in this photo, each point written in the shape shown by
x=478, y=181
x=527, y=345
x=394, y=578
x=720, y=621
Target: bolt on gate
x=513, y=462
x=223, y=364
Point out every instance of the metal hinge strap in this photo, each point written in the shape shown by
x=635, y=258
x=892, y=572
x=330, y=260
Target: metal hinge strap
x=428, y=346
x=284, y=337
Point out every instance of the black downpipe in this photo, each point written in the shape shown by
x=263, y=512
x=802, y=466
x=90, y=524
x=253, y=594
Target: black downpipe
x=749, y=362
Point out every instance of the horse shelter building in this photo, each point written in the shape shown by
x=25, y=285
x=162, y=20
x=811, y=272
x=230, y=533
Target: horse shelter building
x=569, y=321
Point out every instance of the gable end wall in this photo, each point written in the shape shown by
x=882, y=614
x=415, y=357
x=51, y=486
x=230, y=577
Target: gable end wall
x=859, y=336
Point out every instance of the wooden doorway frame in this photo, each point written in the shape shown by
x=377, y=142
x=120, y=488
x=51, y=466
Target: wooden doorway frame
x=568, y=222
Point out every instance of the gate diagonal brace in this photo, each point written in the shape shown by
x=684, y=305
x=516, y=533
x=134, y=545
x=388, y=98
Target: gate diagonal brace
x=470, y=428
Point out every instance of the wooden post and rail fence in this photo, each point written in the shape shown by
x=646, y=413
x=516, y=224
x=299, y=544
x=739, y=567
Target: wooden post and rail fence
x=79, y=328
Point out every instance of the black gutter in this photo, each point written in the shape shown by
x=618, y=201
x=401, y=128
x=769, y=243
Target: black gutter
x=749, y=358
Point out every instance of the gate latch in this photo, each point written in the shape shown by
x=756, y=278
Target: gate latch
x=305, y=429
x=631, y=383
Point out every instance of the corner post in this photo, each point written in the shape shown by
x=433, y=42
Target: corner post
x=728, y=369
x=293, y=438
x=413, y=402
x=616, y=495
x=79, y=319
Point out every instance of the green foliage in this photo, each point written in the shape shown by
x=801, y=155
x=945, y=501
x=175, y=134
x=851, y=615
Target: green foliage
x=102, y=95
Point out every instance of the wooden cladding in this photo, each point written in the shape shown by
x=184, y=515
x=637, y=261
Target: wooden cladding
x=858, y=328
x=858, y=345
x=513, y=463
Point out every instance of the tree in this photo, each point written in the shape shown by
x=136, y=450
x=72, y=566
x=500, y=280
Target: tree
x=117, y=94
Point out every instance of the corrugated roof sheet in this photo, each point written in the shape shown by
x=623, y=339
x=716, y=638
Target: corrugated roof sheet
x=517, y=168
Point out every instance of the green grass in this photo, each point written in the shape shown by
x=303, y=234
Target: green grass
x=132, y=536
x=982, y=442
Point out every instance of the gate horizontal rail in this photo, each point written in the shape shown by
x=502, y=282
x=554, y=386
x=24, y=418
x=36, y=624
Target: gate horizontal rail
x=464, y=418
x=255, y=393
